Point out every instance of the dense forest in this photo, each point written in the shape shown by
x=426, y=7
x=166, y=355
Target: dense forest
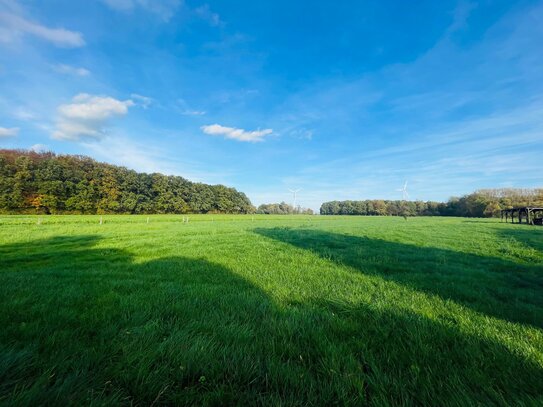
x=282, y=208
x=33, y=182
x=482, y=203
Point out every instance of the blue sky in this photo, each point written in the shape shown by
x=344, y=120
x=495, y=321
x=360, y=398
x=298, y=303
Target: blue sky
x=345, y=100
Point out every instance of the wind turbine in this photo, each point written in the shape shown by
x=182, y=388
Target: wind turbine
x=403, y=190
x=295, y=193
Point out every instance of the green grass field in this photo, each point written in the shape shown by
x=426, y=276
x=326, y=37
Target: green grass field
x=227, y=310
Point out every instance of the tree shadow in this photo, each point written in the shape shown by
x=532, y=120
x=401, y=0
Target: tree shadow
x=497, y=287
x=56, y=250
x=88, y=325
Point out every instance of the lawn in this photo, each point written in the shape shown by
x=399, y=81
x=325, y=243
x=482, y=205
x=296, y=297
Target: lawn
x=264, y=310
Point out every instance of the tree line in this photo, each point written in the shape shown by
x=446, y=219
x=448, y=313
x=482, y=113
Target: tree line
x=32, y=182
x=481, y=203
x=282, y=208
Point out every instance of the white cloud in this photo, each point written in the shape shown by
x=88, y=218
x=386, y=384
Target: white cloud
x=8, y=132
x=165, y=9
x=87, y=116
x=39, y=148
x=236, y=134
x=13, y=26
x=143, y=101
x=205, y=13
x=71, y=70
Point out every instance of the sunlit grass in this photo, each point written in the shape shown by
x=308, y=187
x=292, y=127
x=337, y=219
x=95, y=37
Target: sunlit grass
x=299, y=310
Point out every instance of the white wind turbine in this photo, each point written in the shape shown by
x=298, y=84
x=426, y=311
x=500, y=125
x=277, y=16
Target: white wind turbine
x=295, y=193
x=403, y=190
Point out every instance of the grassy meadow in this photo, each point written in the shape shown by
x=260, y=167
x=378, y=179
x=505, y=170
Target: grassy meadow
x=270, y=310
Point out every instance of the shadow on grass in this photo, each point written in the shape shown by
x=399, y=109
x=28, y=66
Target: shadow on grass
x=496, y=287
x=85, y=325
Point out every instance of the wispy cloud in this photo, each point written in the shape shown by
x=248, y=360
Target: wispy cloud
x=23, y=113
x=87, y=116
x=205, y=13
x=8, y=132
x=143, y=101
x=125, y=151
x=236, y=134
x=442, y=162
x=165, y=9
x=70, y=70
x=193, y=113
x=183, y=107
x=301, y=133
x=13, y=26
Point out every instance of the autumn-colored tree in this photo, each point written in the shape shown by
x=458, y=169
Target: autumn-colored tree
x=49, y=183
